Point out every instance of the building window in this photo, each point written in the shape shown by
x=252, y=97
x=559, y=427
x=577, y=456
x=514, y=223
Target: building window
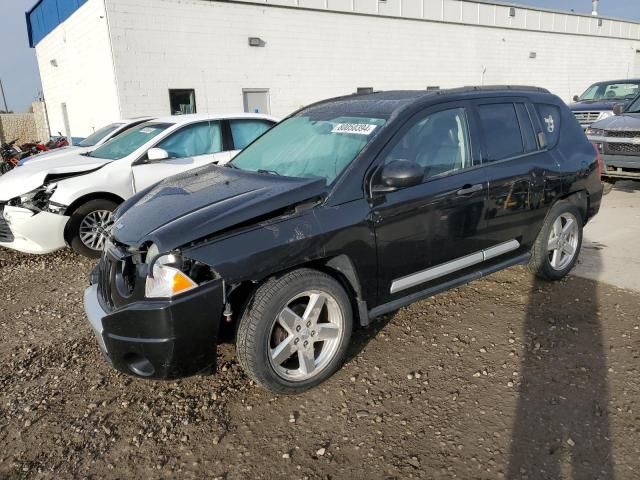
x=182, y=101
x=256, y=100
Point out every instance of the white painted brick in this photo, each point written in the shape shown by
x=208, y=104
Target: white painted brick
x=315, y=54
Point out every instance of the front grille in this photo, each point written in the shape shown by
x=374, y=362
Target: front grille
x=6, y=235
x=586, y=117
x=105, y=268
x=622, y=148
x=621, y=134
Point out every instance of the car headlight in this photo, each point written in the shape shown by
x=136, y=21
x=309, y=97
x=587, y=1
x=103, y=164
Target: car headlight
x=165, y=278
x=38, y=199
x=594, y=132
x=604, y=115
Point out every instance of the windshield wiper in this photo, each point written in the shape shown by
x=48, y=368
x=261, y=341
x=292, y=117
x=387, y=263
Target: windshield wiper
x=271, y=172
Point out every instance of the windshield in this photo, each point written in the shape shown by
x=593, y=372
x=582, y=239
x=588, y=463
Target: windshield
x=611, y=91
x=128, y=142
x=634, y=107
x=98, y=135
x=302, y=146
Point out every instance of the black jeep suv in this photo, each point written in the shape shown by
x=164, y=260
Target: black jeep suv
x=348, y=209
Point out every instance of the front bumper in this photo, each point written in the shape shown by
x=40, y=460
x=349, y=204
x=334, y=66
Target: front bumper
x=30, y=232
x=621, y=166
x=160, y=339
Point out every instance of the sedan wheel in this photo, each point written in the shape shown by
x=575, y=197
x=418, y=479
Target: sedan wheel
x=93, y=229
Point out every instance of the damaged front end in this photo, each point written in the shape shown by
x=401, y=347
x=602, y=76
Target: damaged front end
x=32, y=223
x=155, y=314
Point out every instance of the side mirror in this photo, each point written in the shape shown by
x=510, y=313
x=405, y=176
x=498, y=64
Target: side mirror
x=576, y=98
x=156, y=154
x=619, y=108
x=399, y=174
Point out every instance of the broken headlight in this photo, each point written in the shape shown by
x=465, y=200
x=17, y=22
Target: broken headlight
x=166, y=278
x=39, y=199
x=170, y=274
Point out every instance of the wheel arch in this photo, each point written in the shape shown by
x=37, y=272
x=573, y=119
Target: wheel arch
x=340, y=267
x=580, y=199
x=84, y=199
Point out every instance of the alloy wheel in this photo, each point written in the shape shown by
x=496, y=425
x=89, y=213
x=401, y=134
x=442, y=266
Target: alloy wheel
x=305, y=335
x=94, y=227
x=563, y=241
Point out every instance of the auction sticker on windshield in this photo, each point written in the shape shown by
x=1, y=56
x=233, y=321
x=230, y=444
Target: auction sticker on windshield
x=357, y=128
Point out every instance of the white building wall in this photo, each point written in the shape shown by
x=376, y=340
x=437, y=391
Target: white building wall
x=76, y=68
x=315, y=54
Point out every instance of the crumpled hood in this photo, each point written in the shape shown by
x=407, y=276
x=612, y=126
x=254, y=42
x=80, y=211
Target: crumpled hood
x=32, y=174
x=595, y=105
x=627, y=121
x=205, y=201
x=56, y=153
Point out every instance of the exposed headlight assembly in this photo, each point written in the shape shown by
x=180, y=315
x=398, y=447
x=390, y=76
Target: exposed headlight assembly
x=166, y=278
x=38, y=199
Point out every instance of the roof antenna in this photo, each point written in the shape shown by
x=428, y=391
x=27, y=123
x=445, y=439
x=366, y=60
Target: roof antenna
x=594, y=10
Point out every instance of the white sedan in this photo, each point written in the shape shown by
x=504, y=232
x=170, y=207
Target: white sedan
x=49, y=203
x=93, y=141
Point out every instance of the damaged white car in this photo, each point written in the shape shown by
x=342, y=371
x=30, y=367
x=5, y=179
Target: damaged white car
x=48, y=204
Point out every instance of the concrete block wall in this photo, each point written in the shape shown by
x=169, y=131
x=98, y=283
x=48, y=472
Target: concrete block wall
x=76, y=69
x=21, y=126
x=314, y=54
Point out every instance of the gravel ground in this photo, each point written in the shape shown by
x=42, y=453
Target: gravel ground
x=507, y=377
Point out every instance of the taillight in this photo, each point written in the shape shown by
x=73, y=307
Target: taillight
x=599, y=156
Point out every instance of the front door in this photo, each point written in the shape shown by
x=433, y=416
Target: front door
x=192, y=146
x=430, y=231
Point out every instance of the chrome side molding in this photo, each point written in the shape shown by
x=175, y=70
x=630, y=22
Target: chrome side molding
x=453, y=266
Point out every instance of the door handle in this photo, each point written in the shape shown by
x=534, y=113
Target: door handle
x=468, y=189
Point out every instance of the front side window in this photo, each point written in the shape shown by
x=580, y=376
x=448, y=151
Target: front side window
x=246, y=131
x=129, y=141
x=314, y=145
x=99, y=134
x=439, y=143
x=201, y=138
x=501, y=130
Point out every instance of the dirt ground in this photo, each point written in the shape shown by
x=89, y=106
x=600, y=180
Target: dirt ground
x=507, y=377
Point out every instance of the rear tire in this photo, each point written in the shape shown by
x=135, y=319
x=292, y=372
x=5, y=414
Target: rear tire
x=295, y=331
x=86, y=228
x=558, y=244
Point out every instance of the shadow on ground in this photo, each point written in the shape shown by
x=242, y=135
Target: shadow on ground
x=561, y=428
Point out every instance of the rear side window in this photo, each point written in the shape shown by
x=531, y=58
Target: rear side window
x=550, y=120
x=246, y=131
x=501, y=131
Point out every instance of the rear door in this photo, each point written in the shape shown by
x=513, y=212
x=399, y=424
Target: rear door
x=427, y=232
x=517, y=164
x=191, y=146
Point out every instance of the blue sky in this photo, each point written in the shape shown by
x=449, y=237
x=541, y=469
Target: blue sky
x=19, y=71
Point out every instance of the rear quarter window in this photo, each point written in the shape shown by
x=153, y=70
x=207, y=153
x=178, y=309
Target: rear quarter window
x=550, y=118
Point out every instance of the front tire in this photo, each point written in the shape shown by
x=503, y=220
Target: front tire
x=558, y=244
x=295, y=331
x=87, y=227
